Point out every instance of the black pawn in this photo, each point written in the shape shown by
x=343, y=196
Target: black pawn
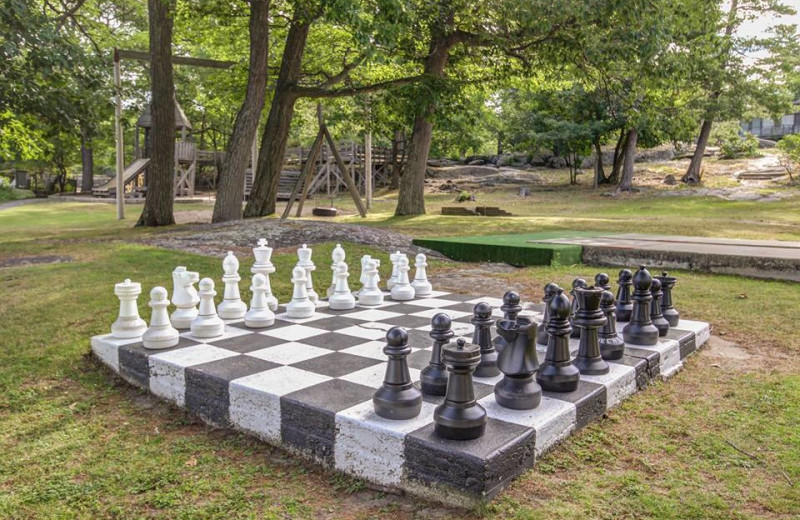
x=482, y=319
x=397, y=398
x=589, y=318
x=624, y=304
x=655, y=308
x=460, y=417
x=576, y=283
x=670, y=313
x=511, y=309
x=518, y=390
x=602, y=281
x=541, y=331
x=433, y=377
x=640, y=330
x=557, y=373
x=611, y=345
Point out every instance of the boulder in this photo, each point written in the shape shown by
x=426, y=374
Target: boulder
x=669, y=180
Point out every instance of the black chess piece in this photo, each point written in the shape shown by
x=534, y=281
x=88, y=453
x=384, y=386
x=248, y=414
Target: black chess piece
x=670, y=313
x=460, y=417
x=518, y=389
x=611, y=345
x=482, y=319
x=511, y=309
x=557, y=373
x=602, y=281
x=640, y=330
x=397, y=398
x=577, y=282
x=589, y=318
x=624, y=304
x=655, y=308
x=541, y=330
x=433, y=378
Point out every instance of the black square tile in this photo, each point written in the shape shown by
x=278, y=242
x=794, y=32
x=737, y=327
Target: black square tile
x=419, y=338
x=408, y=322
x=481, y=466
x=589, y=399
x=686, y=339
x=308, y=416
x=456, y=297
x=134, y=365
x=207, y=385
x=404, y=308
x=247, y=343
x=463, y=307
x=641, y=367
x=279, y=324
x=333, y=341
x=481, y=390
x=652, y=357
x=335, y=364
x=419, y=359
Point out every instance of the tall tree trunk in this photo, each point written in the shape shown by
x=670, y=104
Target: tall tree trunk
x=599, y=174
x=619, y=157
x=411, y=199
x=161, y=170
x=232, y=174
x=264, y=195
x=87, y=162
x=692, y=175
x=626, y=184
x=394, y=182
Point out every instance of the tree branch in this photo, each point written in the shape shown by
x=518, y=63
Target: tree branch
x=320, y=92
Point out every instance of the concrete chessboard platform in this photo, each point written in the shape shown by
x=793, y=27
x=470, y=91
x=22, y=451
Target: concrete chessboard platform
x=306, y=385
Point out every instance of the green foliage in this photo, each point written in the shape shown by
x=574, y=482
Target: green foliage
x=789, y=150
x=731, y=144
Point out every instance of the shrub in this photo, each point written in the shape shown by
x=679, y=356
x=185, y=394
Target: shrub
x=731, y=144
x=789, y=154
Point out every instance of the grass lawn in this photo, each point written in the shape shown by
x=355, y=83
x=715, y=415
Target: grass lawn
x=719, y=440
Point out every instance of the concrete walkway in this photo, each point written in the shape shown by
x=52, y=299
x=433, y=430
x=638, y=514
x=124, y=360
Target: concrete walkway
x=755, y=258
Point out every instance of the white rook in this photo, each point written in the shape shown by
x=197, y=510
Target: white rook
x=128, y=324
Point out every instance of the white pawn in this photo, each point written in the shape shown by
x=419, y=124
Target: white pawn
x=128, y=324
x=161, y=333
x=394, y=257
x=263, y=265
x=232, y=307
x=402, y=290
x=300, y=306
x=304, y=257
x=207, y=324
x=341, y=299
x=259, y=316
x=370, y=294
x=184, y=297
x=337, y=257
x=422, y=287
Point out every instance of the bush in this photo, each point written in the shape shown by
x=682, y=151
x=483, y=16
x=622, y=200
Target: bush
x=789, y=154
x=731, y=144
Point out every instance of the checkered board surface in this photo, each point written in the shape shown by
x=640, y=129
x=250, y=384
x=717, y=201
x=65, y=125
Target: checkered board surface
x=307, y=386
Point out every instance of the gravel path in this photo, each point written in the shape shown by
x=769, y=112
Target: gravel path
x=240, y=236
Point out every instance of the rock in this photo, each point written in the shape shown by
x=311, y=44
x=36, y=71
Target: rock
x=525, y=192
x=556, y=162
x=476, y=162
x=669, y=180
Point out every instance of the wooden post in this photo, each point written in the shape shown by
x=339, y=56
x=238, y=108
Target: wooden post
x=120, y=165
x=303, y=175
x=368, y=168
x=348, y=180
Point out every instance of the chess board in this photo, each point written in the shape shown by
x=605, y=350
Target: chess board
x=307, y=384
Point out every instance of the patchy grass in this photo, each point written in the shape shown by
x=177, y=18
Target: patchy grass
x=720, y=440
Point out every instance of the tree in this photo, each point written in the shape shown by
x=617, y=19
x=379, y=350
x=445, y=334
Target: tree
x=230, y=194
x=161, y=170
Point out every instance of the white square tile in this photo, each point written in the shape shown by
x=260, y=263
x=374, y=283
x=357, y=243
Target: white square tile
x=293, y=332
x=701, y=329
x=106, y=348
x=459, y=329
x=373, y=315
x=620, y=382
x=289, y=353
x=194, y=355
x=373, y=376
x=669, y=353
x=430, y=313
x=371, y=447
x=369, y=330
x=167, y=375
x=553, y=419
x=230, y=332
x=370, y=349
x=494, y=302
x=432, y=303
x=438, y=294
x=255, y=404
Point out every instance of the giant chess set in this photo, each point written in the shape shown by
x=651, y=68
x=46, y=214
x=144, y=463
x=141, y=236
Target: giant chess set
x=443, y=395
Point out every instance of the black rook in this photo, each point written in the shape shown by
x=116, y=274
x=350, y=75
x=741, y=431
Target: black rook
x=460, y=417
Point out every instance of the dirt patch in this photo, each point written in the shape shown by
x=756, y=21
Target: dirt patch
x=241, y=236
x=24, y=261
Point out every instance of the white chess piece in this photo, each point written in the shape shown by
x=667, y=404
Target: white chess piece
x=300, y=306
x=394, y=257
x=263, y=265
x=232, y=307
x=207, y=324
x=184, y=297
x=304, y=261
x=370, y=294
x=128, y=324
x=341, y=299
x=260, y=315
x=337, y=257
x=422, y=287
x=362, y=278
x=161, y=333
x=402, y=290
